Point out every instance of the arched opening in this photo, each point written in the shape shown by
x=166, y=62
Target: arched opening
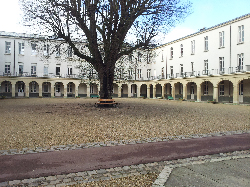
x=59, y=89
x=70, y=89
x=46, y=89
x=82, y=90
x=133, y=90
x=158, y=91
x=115, y=90
x=93, y=90
x=20, y=89
x=143, y=90
x=168, y=90
x=124, y=90
x=192, y=91
x=178, y=90
x=207, y=91
x=244, y=91
x=225, y=91
x=33, y=89
x=151, y=91
x=6, y=89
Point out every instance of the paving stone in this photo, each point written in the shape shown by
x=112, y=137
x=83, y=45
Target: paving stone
x=55, y=182
x=67, y=180
x=50, y=178
x=3, y=184
x=92, y=172
x=78, y=179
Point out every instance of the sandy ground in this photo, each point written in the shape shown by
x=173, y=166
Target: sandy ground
x=43, y=122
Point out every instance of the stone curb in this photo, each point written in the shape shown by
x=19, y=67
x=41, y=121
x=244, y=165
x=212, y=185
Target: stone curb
x=162, y=168
x=115, y=143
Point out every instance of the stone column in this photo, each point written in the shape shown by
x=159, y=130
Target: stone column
x=129, y=90
x=65, y=90
x=52, y=91
x=215, y=94
x=76, y=89
x=173, y=90
x=148, y=91
x=119, y=90
x=27, y=90
x=198, y=92
x=13, y=89
x=154, y=91
x=236, y=93
x=138, y=91
x=184, y=91
x=163, y=91
x=88, y=90
x=41, y=90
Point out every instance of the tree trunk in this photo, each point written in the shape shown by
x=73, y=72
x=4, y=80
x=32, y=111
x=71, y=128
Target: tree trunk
x=106, y=83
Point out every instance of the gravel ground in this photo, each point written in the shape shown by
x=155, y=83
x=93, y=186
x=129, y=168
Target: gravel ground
x=45, y=122
x=140, y=180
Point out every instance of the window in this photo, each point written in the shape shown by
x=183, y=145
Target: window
x=57, y=70
x=33, y=69
x=240, y=61
x=148, y=73
x=241, y=34
x=181, y=50
x=221, y=39
x=171, y=52
x=46, y=70
x=162, y=72
x=7, y=68
x=69, y=88
x=206, y=43
x=7, y=87
x=192, y=68
x=69, y=52
x=20, y=69
x=130, y=73
x=181, y=70
x=221, y=92
x=33, y=87
x=58, y=51
x=7, y=47
x=205, y=90
x=69, y=70
x=21, y=48
x=46, y=49
x=221, y=59
x=33, y=49
x=192, y=47
x=171, y=71
x=205, y=67
x=139, y=73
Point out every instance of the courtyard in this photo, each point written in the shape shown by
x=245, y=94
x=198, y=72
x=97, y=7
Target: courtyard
x=46, y=122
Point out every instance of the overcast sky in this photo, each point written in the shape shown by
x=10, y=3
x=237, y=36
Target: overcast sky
x=206, y=13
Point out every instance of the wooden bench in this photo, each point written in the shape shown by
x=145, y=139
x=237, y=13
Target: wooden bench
x=106, y=102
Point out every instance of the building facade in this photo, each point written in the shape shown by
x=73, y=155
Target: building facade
x=212, y=64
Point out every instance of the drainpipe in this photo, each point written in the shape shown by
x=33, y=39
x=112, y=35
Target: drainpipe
x=14, y=58
x=230, y=47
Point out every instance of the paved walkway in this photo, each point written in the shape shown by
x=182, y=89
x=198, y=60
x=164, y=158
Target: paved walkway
x=83, y=163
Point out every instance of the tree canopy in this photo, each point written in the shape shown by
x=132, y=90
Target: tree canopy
x=112, y=28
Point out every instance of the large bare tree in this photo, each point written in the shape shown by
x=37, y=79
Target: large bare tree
x=112, y=28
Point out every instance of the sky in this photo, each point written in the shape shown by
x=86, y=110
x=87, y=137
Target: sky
x=205, y=13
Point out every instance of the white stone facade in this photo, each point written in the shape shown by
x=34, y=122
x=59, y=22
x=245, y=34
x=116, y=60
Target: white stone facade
x=212, y=64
